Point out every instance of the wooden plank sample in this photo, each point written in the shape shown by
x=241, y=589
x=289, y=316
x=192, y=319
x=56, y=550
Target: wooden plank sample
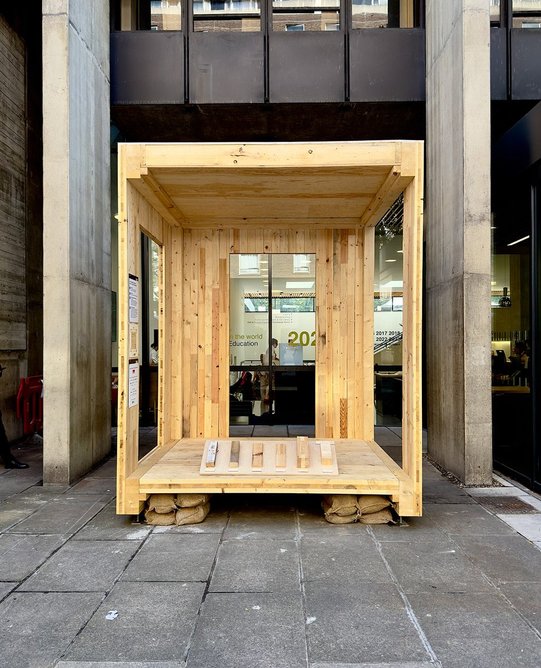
x=234, y=455
x=326, y=454
x=303, y=452
x=281, y=461
x=212, y=452
x=257, y=456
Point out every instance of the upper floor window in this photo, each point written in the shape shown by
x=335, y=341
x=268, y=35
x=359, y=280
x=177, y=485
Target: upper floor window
x=385, y=14
x=226, y=15
x=309, y=15
x=165, y=15
x=495, y=13
x=526, y=13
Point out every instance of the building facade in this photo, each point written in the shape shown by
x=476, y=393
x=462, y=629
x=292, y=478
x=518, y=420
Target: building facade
x=464, y=76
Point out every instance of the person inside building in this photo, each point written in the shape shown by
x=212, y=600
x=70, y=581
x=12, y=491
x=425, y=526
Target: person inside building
x=272, y=355
x=5, y=451
x=154, y=354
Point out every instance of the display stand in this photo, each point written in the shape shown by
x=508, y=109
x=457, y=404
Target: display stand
x=202, y=202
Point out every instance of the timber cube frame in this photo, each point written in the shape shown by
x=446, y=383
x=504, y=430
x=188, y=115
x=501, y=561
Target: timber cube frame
x=201, y=202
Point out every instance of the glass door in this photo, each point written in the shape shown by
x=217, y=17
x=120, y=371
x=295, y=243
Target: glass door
x=272, y=343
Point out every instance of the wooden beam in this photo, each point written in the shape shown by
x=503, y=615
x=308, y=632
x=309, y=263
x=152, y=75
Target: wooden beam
x=388, y=192
x=411, y=344
x=272, y=155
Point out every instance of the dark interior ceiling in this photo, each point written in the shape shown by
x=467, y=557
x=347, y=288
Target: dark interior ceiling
x=270, y=122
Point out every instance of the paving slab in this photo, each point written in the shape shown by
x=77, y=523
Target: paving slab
x=480, y=629
x=255, y=630
x=369, y=621
x=13, y=484
x=503, y=558
x=387, y=438
x=433, y=565
x=411, y=529
x=21, y=555
x=526, y=599
x=261, y=523
x=119, y=664
x=37, y=628
x=443, y=492
x=149, y=621
x=256, y=565
x=528, y=526
x=174, y=558
x=215, y=522
x=341, y=559
x=83, y=566
x=17, y=508
x=401, y=664
x=61, y=515
x=5, y=588
x=95, y=486
x=107, y=525
x=466, y=519
x=106, y=470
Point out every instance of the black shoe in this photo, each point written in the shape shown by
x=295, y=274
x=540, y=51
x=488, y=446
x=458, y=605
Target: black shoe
x=16, y=464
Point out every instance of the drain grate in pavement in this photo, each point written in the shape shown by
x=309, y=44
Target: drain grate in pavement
x=506, y=504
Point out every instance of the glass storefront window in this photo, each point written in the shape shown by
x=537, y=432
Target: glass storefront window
x=511, y=347
x=272, y=332
x=165, y=15
x=527, y=14
x=375, y=14
x=226, y=16
x=305, y=15
x=388, y=303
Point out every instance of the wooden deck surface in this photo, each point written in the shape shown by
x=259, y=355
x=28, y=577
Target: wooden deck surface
x=364, y=468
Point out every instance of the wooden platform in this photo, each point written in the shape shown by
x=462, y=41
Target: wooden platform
x=363, y=468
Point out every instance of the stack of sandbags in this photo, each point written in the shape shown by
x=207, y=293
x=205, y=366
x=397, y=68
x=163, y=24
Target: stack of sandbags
x=192, y=508
x=340, y=508
x=179, y=509
x=373, y=509
x=161, y=509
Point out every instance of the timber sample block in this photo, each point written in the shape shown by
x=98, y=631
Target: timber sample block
x=234, y=456
x=212, y=452
x=303, y=453
x=281, y=456
x=326, y=454
x=268, y=458
x=257, y=457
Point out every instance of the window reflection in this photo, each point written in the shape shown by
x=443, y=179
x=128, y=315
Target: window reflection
x=388, y=316
x=495, y=12
x=375, y=14
x=527, y=14
x=227, y=15
x=165, y=15
x=305, y=15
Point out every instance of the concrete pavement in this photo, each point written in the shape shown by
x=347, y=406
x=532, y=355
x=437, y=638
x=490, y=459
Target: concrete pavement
x=265, y=582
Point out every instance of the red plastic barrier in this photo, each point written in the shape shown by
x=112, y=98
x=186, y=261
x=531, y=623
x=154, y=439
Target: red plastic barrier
x=30, y=404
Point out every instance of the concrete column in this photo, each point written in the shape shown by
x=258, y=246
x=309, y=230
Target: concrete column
x=76, y=237
x=458, y=252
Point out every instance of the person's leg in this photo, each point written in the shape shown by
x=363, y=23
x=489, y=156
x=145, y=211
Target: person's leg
x=5, y=451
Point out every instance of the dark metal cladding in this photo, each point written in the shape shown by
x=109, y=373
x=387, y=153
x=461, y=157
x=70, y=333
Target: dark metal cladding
x=306, y=67
x=226, y=67
x=147, y=67
x=387, y=65
x=525, y=64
